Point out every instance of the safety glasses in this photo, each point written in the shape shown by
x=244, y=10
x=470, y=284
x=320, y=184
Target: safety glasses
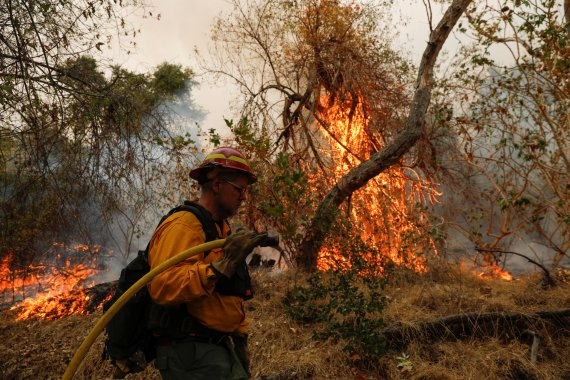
x=242, y=190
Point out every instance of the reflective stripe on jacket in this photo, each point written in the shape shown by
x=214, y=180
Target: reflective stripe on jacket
x=193, y=280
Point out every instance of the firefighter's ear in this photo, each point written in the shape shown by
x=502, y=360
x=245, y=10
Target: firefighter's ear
x=216, y=185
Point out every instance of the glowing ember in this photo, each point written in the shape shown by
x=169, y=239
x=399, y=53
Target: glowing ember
x=52, y=290
x=389, y=211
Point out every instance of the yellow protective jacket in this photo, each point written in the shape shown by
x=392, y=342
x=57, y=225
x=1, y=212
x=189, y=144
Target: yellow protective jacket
x=193, y=280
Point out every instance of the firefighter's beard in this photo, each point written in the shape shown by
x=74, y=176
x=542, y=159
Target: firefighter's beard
x=229, y=209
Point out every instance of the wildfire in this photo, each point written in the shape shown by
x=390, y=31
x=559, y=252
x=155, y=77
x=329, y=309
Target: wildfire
x=389, y=210
x=54, y=290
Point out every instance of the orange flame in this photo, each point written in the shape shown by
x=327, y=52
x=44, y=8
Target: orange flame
x=388, y=210
x=55, y=290
x=492, y=270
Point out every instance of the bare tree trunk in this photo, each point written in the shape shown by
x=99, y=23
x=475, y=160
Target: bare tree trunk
x=567, y=16
x=392, y=153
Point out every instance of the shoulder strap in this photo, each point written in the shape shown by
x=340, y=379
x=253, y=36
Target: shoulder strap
x=204, y=217
x=208, y=224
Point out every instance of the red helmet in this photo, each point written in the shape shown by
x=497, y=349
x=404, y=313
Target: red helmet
x=222, y=158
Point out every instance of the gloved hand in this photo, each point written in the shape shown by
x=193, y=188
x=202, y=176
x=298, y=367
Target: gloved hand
x=236, y=248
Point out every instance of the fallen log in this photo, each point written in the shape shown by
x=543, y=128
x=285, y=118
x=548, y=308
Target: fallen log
x=505, y=325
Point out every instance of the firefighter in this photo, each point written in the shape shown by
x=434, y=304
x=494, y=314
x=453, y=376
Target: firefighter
x=210, y=340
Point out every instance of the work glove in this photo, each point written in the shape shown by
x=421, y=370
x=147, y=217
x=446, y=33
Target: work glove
x=236, y=248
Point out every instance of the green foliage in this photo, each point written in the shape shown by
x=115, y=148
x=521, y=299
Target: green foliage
x=344, y=303
x=181, y=141
x=288, y=201
x=86, y=148
x=84, y=68
x=170, y=79
x=99, y=148
x=248, y=136
x=214, y=137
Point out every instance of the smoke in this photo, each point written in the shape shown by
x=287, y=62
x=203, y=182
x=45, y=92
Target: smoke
x=162, y=185
x=496, y=198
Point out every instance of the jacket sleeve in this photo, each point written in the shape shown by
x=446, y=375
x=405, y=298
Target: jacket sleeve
x=188, y=280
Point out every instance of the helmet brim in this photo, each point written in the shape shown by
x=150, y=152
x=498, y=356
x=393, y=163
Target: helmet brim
x=200, y=174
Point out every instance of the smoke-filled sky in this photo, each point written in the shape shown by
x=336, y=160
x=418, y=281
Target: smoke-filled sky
x=186, y=24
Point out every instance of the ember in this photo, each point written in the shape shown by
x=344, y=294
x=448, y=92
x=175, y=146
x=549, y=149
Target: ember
x=55, y=288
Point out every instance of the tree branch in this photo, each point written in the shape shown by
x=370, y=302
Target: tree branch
x=548, y=280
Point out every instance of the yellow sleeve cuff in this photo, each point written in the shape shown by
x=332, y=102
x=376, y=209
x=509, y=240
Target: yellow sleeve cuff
x=208, y=277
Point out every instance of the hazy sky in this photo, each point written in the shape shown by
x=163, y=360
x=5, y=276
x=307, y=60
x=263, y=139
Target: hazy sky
x=186, y=24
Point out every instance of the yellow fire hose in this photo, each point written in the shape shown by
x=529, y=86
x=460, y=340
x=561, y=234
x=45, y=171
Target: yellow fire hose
x=106, y=318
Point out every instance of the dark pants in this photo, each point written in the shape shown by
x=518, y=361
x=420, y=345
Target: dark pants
x=199, y=360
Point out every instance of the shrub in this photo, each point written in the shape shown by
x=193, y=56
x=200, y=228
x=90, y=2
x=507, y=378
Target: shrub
x=344, y=302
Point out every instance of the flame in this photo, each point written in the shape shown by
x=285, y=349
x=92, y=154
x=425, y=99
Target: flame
x=491, y=269
x=54, y=290
x=387, y=211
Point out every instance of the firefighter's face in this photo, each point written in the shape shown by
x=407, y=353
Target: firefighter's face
x=232, y=191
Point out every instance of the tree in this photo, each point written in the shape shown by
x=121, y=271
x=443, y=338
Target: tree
x=322, y=64
x=82, y=142
x=513, y=87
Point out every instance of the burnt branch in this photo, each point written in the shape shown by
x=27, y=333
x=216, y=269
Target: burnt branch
x=462, y=326
x=291, y=119
x=548, y=281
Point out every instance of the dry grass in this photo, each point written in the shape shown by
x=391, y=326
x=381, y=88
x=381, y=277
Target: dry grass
x=451, y=289
x=284, y=349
